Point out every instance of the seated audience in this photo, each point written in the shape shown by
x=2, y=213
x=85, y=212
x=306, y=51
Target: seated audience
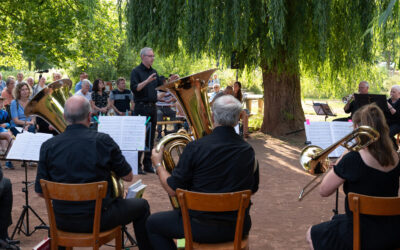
x=373, y=171
x=211, y=164
x=41, y=85
x=99, y=99
x=85, y=90
x=7, y=93
x=5, y=134
x=165, y=108
x=18, y=119
x=56, y=76
x=30, y=82
x=121, y=99
x=82, y=155
x=393, y=118
x=217, y=89
x=244, y=116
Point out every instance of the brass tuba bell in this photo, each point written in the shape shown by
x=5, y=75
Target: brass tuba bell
x=191, y=93
x=49, y=103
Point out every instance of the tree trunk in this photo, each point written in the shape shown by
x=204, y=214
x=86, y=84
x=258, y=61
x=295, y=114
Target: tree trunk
x=282, y=102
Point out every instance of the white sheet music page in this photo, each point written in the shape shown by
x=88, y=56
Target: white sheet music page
x=340, y=130
x=132, y=158
x=27, y=145
x=318, y=133
x=129, y=132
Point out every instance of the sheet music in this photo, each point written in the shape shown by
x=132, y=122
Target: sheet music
x=132, y=158
x=129, y=132
x=324, y=134
x=27, y=145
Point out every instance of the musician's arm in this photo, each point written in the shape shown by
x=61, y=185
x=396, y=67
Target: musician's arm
x=111, y=104
x=330, y=183
x=156, y=158
x=347, y=107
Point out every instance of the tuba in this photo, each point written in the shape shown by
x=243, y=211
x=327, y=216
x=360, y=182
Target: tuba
x=48, y=104
x=315, y=160
x=191, y=93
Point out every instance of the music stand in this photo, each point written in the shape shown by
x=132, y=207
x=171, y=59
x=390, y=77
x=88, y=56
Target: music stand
x=322, y=109
x=365, y=99
x=26, y=208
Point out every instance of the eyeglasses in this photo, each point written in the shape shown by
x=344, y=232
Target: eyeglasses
x=151, y=56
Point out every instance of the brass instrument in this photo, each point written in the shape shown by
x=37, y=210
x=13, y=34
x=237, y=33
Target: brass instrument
x=315, y=160
x=191, y=93
x=49, y=105
x=347, y=98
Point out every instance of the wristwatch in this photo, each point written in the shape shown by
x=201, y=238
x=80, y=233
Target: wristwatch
x=157, y=165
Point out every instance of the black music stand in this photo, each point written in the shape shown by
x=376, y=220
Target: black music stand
x=364, y=99
x=26, y=208
x=322, y=109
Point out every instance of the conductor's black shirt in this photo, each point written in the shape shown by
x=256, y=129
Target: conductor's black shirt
x=149, y=93
x=217, y=163
x=80, y=155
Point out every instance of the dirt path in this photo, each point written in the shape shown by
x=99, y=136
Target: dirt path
x=279, y=220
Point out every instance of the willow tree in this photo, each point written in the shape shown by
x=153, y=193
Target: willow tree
x=277, y=35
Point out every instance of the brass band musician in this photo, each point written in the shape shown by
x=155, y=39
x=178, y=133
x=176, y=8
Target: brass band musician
x=373, y=171
x=350, y=106
x=393, y=118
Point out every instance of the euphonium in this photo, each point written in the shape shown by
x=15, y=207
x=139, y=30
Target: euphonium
x=49, y=105
x=315, y=160
x=191, y=93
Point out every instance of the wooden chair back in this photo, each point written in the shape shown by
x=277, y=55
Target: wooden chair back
x=370, y=205
x=75, y=192
x=213, y=202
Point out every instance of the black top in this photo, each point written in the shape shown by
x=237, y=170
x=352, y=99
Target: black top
x=80, y=155
x=217, y=163
x=100, y=100
x=362, y=179
x=395, y=118
x=122, y=100
x=149, y=93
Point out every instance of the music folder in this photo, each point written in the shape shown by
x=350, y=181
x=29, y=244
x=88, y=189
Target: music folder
x=364, y=99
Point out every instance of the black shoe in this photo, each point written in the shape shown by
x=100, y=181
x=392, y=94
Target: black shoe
x=140, y=171
x=150, y=170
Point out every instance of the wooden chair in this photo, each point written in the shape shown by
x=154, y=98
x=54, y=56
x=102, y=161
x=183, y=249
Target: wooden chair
x=370, y=205
x=218, y=202
x=79, y=192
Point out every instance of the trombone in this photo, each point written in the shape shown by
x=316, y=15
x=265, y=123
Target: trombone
x=315, y=160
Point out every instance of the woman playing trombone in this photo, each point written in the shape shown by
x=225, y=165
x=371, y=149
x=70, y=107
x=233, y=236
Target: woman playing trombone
x=373, y=171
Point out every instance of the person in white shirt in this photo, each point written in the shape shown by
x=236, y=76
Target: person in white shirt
x=85, y=90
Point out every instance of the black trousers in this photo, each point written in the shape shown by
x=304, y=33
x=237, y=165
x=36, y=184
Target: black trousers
x=165, y=111
x=393, y=130
x=120, y=212
x=149, y=110
x=163, y=227
x=6, y=200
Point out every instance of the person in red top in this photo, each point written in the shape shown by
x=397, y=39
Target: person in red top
x=7, y=92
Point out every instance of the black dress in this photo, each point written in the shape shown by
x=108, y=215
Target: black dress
x=376, y=232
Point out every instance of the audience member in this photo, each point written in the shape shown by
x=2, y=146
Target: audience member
x=85, y=89
x=99, y=100
x=20, y=78
x=30, y=82
x=82, y=77
x=7, y=93
x=2, y=83
x=5, y=134
x=244, y=115
x=56, y=76
x=165, y=107
x=121, y=99
x=41, y=85
x=18, y=119
x=217, y=89
x=228, y=90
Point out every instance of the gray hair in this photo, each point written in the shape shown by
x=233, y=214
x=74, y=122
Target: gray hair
x=365, y=82
x=226, y=110
x=396, y=87
x=85, y=82
x=144, y=51
x=77, y=111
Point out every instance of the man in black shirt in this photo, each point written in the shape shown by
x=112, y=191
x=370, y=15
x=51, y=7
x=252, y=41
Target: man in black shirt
x=351, y=107
x=144, y=81
x=217, y=163
x=82, y=155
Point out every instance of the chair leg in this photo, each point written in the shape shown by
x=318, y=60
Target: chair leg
x=118, y=240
